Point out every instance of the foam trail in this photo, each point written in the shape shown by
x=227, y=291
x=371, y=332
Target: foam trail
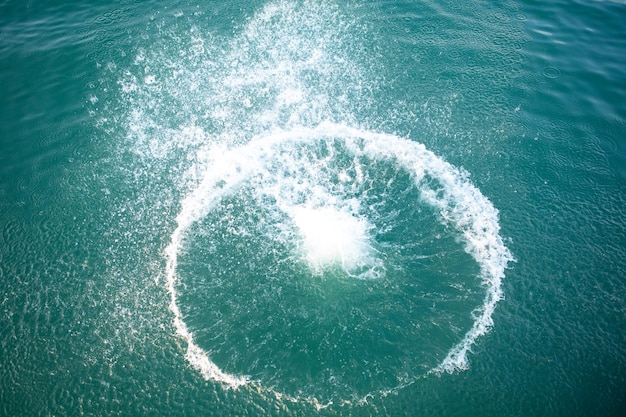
x=458, y=202
x=195, y=355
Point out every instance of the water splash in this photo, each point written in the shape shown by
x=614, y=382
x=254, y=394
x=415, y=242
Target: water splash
x=458, y=202
x=272, y=110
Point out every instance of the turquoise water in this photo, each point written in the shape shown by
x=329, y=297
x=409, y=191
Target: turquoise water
x=312, y=208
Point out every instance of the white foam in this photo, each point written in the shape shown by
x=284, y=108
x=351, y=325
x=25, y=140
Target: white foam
x=333, y=234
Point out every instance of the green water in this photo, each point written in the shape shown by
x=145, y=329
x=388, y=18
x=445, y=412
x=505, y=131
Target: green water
x=225, y=208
